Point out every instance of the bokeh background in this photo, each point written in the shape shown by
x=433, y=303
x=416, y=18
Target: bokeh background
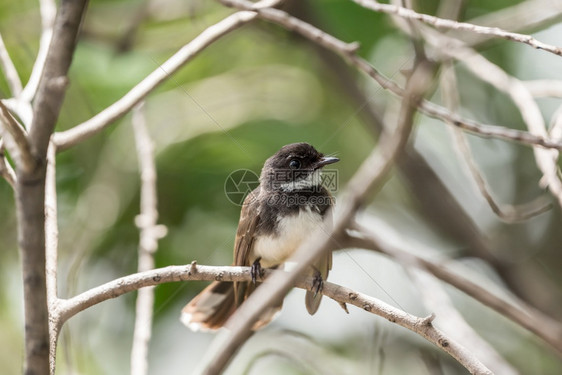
x=232, y=107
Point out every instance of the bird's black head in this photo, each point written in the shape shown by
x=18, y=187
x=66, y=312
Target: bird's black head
x=294, y=167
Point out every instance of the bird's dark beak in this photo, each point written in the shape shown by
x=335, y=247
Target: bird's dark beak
x=325, y=160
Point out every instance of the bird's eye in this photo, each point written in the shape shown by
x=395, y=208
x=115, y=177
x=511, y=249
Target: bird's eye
x=295, y=164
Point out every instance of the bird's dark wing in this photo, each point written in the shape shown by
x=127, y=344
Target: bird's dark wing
x=244, y=242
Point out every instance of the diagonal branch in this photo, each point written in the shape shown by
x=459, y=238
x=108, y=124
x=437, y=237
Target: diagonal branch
x=9, y=69
x=48, y=12
x=340, y=294
x=524, y=16
x=54, y=80
x=6, y=169
x=441, y=23
x=15, y=140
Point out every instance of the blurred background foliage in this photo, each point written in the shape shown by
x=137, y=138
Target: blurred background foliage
x=232, y=107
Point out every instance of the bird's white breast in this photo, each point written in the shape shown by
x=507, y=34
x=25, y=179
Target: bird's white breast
x=292, y=230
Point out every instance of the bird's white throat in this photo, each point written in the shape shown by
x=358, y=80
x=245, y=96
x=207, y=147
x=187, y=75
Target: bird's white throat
x=314, y=179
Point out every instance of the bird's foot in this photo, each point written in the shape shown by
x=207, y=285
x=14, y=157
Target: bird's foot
x=317, y=283
x=256, y=271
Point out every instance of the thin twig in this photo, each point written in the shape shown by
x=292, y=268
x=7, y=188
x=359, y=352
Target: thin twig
x=540, y=88
x=454, y=25
x=150, y=232
x=85, y=130
x=54, y=81
x=508, y=213
x=51, y=251
x=6, y=169
x=15, y=140
x=524, y=16
x=48, y=11
x=118, y=287
x=487, y=131
x=9, y=69
x=526, y=316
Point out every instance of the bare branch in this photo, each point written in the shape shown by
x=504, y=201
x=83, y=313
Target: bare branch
x=15, y=140
x=48, y=12
x=508, y=213
x=487, y=131
x=526, y=316
x=118, y=287
x=6, y=169
x=523, y=16
x=51, y=251
x=150, y=232
x=454, y=25
x=85, y=130
x=54, y=80
x=544, y=88
x=30, y=189
x=9, y=69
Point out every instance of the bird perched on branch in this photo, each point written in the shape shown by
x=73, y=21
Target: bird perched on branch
x=289, y=204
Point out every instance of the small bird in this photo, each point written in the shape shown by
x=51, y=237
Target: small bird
x=287, y=207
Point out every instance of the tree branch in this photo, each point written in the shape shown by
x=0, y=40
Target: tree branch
x=54, y=80
x=85, y=130
x=15, y=140
x=523, y=16
x=454, y=25
x=48, y=11
x=51, y=251
x=30, y=188
x=340, y=294
x=6, y=169
x=544, y=88
x=9, y=69
x=150, y=233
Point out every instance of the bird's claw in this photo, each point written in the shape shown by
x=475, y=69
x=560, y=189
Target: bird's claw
x=256, y=271
x=317, y=283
